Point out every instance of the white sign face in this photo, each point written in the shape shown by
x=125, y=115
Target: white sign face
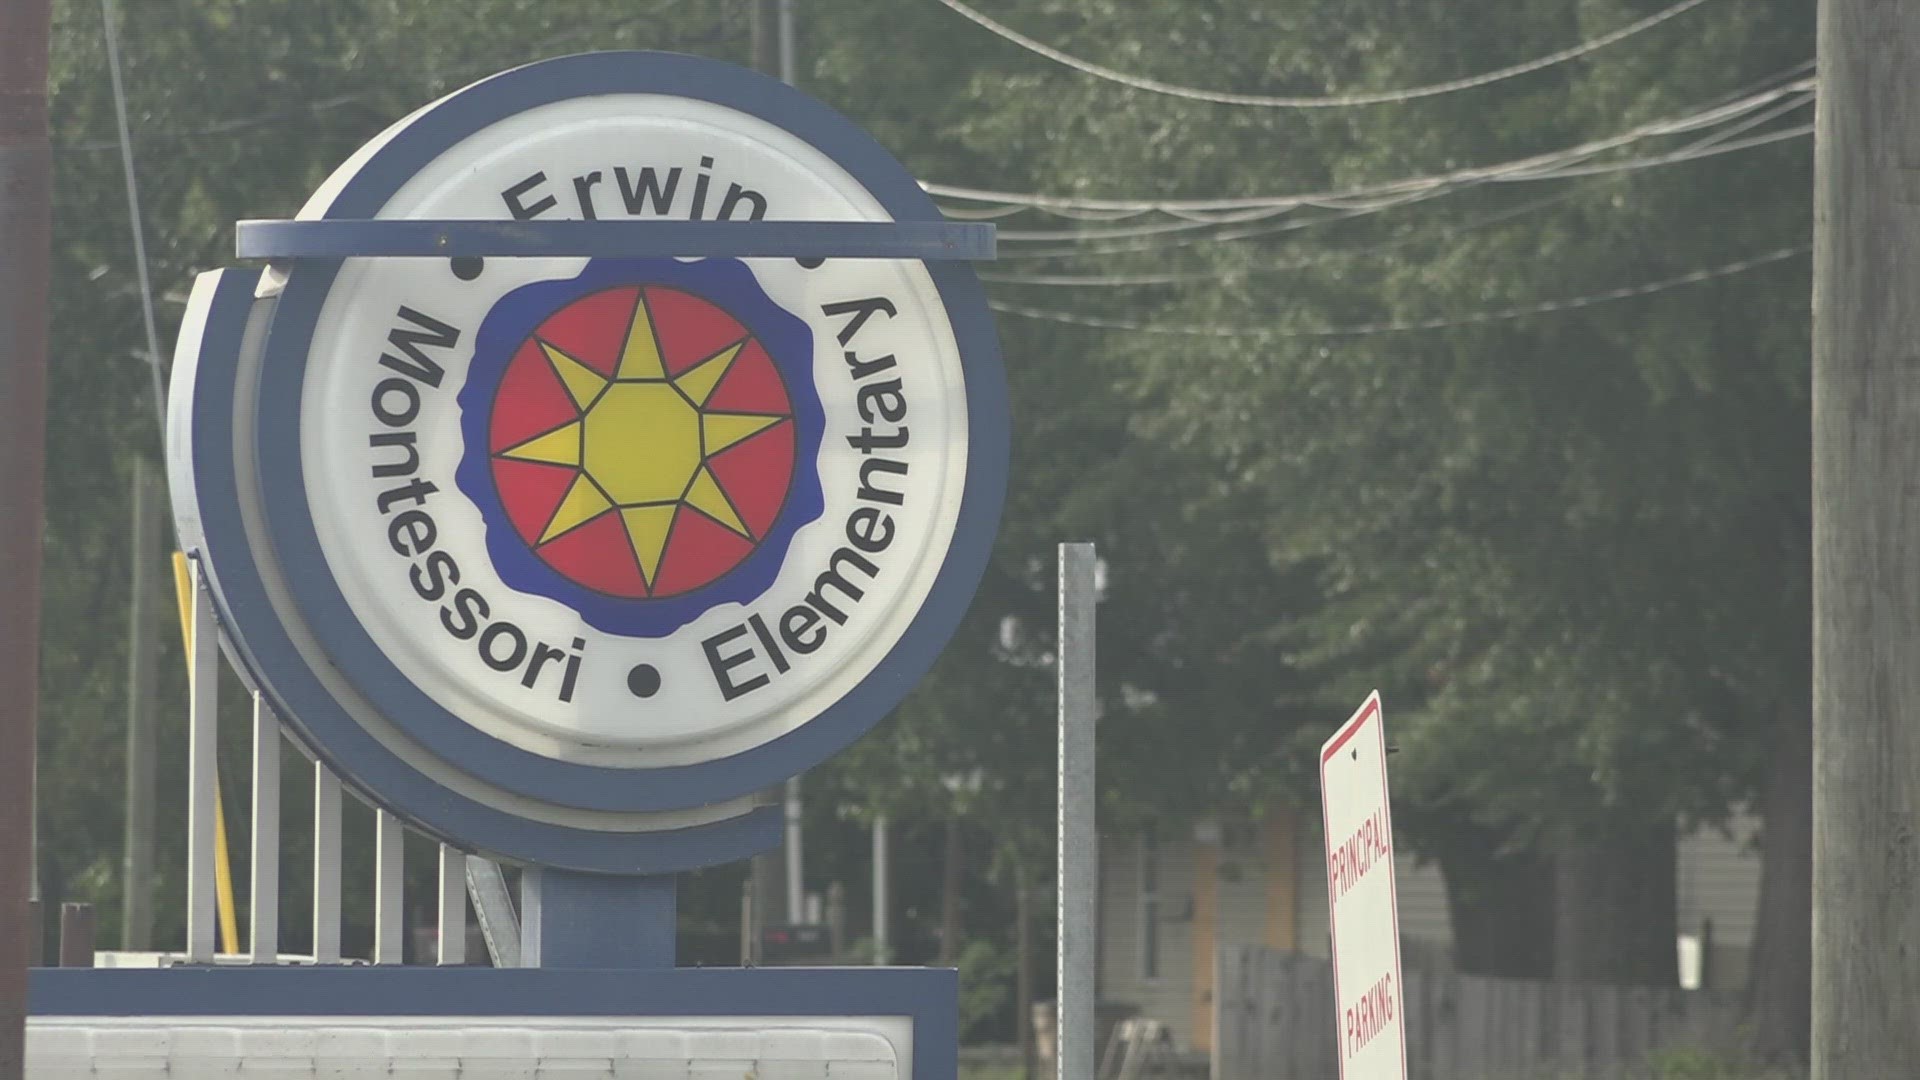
x=1364, y=909
x=634, y=512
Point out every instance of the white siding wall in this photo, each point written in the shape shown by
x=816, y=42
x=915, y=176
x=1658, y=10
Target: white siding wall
x=1168, y=995
x=1242, y=890
x=1241, y=893
x=1719, y=879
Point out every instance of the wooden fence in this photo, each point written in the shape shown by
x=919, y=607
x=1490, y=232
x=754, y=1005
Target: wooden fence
x=1274, y=1020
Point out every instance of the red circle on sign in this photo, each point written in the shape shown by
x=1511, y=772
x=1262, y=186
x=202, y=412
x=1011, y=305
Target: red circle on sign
x=642, y=442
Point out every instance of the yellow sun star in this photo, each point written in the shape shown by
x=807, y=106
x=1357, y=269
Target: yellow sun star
x=641, y=441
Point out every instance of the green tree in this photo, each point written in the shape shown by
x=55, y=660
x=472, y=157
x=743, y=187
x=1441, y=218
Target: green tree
x=1540, y=535
x=1571, y=548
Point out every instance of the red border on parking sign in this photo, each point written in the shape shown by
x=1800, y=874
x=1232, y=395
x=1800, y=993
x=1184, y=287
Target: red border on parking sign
x=1363, y=909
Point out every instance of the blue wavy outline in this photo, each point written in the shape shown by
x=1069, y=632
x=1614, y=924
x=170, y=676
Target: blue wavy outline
x=788, y=341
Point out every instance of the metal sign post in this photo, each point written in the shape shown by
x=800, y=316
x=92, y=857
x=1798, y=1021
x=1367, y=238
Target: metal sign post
x=1079, y=838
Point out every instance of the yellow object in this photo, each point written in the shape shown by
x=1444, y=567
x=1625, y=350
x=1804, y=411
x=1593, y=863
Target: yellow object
x=222, y=861
x=1282, y=918
x=641, y=442
x=1205, y=937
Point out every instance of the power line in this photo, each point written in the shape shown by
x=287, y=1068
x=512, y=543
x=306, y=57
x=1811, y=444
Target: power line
x=1689, y=152
x=1314, y=258
x=1161, y=242
x=1404, y=326
x=1014, y=253
x=1535, y=164
x=1270, y=101
x=228, y=127
x=457, y=70
x=1798, y=131
x=1706, y=148
x=1225, y=236
x=133, y=212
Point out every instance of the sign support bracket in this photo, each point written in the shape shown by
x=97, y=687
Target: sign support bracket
x=575, y=920
x=420, y=238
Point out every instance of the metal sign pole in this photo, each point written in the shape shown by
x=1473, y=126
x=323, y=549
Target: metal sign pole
x=1078, y=841
x=203, y=660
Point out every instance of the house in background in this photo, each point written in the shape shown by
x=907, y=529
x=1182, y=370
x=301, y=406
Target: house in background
x=1168, y=905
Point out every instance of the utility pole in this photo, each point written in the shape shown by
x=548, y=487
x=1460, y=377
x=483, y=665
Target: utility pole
x=764, y=36
x=25, y=249
x=136, y=912
x=772, y=46
x=1866, y=546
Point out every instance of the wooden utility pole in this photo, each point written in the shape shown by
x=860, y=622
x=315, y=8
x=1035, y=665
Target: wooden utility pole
x=1866, y=542
x=25, y=245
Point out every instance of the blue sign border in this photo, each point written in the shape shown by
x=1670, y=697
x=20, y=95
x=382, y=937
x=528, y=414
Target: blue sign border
x=324, y=609
x=928, y=997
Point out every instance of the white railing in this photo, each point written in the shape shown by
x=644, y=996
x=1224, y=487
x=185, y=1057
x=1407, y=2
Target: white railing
x=459, y=873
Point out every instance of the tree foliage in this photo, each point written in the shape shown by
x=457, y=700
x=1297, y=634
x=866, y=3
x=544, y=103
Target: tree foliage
x=1571, y=547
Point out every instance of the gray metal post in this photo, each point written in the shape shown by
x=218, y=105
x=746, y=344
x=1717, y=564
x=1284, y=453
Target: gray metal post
x=389, y=896
x=1078, y=839
x=779, y=883
x=787, y=45
x=453, y=906
x=796, y=890
x=749, y=941
x=882, y=902
x=136, y=912
x=263, y=886
x=326, y=865
x=203, y=734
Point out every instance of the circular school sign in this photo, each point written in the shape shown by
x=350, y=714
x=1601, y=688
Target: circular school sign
x=565, y=556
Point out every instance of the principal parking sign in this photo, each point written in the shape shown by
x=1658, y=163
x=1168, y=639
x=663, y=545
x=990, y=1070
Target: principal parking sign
x=1363, y=904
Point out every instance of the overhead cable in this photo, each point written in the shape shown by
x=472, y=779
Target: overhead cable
x=1012, y=253
x=1271, y=101
x=1798, y=131
x=136, y=220
x=1538, y=163
x=1404, y=326
x=1709, y=148
x=1313, y=257
x=468, y=69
